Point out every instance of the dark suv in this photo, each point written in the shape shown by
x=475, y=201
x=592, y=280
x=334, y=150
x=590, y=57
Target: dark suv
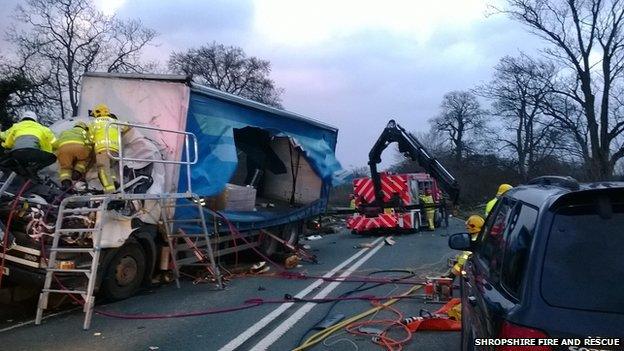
x=548, y=263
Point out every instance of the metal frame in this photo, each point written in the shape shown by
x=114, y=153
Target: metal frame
x=120, y=158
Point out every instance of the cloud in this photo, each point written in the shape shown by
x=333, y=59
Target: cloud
x=301, y=23
x=353, y=64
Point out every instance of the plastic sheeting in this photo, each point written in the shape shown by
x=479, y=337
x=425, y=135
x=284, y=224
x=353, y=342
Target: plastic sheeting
x=212, y=117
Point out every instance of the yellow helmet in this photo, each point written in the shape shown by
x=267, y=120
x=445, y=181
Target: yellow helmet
x=101, y=110
x=474, y=224
x=503, y=189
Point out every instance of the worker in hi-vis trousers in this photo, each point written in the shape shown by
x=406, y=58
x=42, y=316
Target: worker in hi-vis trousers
x=473, y=226
x=73, y=151
x=105, y=141
x=429, y=206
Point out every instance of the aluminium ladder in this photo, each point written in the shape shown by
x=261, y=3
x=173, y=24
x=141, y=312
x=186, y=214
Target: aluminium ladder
x=196, y=244
x=86, y=292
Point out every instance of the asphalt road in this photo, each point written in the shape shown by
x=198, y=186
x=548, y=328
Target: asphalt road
x=270, y=326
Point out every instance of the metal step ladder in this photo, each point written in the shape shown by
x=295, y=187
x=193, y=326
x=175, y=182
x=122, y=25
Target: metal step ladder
x=195, y=242
x=97, y=206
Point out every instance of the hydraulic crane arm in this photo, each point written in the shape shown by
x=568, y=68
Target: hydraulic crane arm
x=412, y=148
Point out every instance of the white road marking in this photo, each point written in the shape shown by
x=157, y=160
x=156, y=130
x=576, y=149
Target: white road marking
x=251, y=331
x=300, y=313
x=18, y=325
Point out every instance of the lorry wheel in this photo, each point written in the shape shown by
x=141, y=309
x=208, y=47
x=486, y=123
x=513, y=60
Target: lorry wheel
x=125, y=272
x=288, y=232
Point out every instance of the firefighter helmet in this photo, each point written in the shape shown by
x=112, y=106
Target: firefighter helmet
x=503, y=189
x=101, y=110
x=474, y=224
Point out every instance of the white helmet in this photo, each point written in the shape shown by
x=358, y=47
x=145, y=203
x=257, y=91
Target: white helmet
x=29, y=115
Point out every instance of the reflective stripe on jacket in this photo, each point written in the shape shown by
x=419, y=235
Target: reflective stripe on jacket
x=75, y=135
x=101, y=141
x=32, y=128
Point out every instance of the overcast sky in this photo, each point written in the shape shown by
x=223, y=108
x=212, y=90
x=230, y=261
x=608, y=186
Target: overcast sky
x=352, y=64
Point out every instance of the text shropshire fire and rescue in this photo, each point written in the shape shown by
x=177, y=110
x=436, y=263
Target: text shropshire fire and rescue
x=590, y=341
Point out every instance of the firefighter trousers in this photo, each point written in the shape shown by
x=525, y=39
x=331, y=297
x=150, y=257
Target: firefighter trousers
x=106, y=168
x=72, y=157
x=430, y=219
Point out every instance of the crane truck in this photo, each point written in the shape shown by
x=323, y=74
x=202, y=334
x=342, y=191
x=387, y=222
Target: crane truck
x=391, y=202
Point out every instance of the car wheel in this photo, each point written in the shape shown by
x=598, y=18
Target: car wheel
x=125, y=272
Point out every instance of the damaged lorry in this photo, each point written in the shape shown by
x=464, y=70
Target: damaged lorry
x=195, y=166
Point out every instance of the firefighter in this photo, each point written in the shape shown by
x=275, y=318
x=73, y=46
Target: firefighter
x=503, y=188
x=30, y=143
x=473, y=226
x=105, y=140
x=429, y=205
x=73, y=150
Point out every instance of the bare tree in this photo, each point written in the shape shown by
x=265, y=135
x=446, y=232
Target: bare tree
x=460, y=118
x=586, y=37
x=229, y=69
x=67, y=38
x=519, y=90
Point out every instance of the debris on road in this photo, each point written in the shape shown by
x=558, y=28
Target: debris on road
x=389, y=241
x=313, y=237
x=260, y=267
x=291, y=261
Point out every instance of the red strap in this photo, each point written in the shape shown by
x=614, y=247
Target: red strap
x=434, y=323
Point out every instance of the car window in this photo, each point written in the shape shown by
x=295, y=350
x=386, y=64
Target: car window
x=492, y=242
x=583, y=262
x=517, y=246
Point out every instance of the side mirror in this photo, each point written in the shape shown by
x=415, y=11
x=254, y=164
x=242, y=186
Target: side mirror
x=460, y=241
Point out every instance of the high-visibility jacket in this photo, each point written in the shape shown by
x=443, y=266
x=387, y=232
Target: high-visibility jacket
x=462, y=258
x=75, y=135
x=29, y=128
x=427, y=200
x=490, y=205
x=99, y=137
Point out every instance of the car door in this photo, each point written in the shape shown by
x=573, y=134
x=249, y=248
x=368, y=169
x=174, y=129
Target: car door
x=481, y=292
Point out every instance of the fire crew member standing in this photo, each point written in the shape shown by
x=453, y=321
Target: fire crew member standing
x=429, y=206
x=73, y=149
x=104, y=140
x=473, y=226
x=30, y=143
x=503, y=188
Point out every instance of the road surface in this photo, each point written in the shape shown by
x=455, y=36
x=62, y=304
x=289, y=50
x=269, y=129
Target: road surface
x=269, y=327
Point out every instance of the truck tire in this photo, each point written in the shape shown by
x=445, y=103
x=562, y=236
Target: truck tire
x=125, y=272
x=288, y=232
